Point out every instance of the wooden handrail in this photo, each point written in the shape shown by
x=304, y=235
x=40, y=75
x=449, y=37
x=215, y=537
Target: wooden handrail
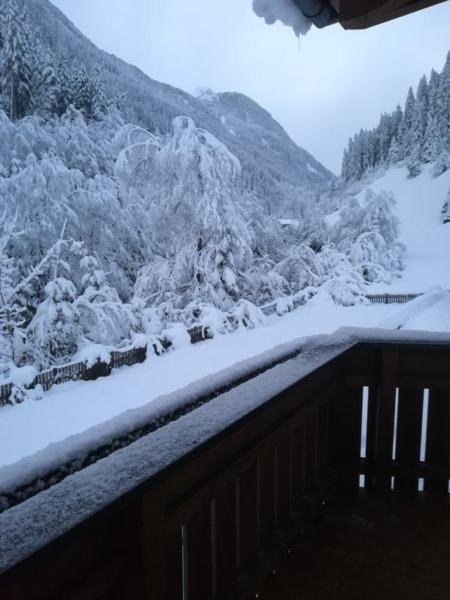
x=210, y=525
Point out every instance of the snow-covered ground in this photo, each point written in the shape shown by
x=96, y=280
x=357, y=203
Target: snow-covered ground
x=427, y=239
x=73, y=407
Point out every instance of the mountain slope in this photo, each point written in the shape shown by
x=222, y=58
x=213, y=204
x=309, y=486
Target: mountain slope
x=427, y=239
x=267, y=154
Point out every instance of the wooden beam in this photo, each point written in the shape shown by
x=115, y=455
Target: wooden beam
x=361, y=14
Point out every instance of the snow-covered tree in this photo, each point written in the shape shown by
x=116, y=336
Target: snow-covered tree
x=103, y=316
x=198, y=218
x=11, y=317
x=368, y=235
x=54, y=332
x=16, y=59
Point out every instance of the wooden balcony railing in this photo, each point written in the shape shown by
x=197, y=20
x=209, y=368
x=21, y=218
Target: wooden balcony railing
x=213, y=524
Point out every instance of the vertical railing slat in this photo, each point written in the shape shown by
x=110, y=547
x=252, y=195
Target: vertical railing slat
x=438, y=440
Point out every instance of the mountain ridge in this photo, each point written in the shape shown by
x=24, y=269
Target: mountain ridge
x=153, y=105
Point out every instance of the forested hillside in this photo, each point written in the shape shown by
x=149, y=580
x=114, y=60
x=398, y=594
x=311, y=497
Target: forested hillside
x=418, y=133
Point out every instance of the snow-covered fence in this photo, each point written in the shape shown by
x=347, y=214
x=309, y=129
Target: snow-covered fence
x=81, y=371
x=391, y=298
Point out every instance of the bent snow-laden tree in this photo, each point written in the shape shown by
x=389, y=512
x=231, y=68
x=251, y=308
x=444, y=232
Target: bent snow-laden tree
x=368, y=235
x=199, y=223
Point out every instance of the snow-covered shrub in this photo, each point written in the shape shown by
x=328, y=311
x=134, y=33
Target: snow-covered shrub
x=177, y=335
x=23, y=376
x=18, y=394
x=246, y=314
x=207, y=316
x=104, y=318
x=54, y=332
x=341, y=281
x=92, y=354
x=284, y=305
x=267, y=286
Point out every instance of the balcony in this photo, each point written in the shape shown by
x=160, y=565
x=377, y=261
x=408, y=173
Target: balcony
x=337, y=486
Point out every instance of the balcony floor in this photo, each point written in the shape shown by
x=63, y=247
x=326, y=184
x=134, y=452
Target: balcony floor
x=378, y=549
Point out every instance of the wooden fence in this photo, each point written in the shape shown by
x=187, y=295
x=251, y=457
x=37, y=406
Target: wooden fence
x=211, y=525
x=79, y=370
x=391, y=298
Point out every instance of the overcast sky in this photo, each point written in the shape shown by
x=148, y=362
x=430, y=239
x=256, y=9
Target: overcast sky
x=322, y=88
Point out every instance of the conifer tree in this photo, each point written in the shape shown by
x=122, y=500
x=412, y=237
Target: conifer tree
x=406, y=125
x=16, y=60
x=432, y=140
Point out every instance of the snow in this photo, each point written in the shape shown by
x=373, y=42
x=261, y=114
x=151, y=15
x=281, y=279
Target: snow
x=332, y=218
x=433, y=318
x=406, y=316
x=289, y=222
x=285, y=11
x=177, y=335
x=427, y=239
x=93, y=353
x=22, y=375
x=74, y=407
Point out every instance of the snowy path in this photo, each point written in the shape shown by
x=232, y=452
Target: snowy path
x=419, y=205
x=76, y=406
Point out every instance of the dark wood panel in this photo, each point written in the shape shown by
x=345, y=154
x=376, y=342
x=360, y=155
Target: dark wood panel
x=298, y=466
x=283, y=504
x=409, y=429
x=345, y=434
x=266, y=498
x=311, y=454
x=247, y=531
x=224, y=540
x=438, y=439
x=199, y=555
x=174, y=557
